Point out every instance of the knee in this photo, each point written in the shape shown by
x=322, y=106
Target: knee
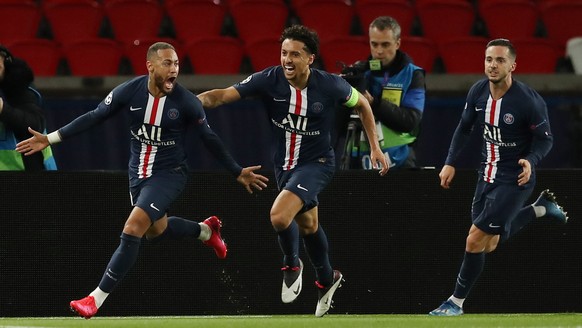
x=279, y=221
x=474, y=244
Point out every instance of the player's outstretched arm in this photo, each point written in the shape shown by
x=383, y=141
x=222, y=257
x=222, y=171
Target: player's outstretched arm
x=34, y=144
x=250, y=179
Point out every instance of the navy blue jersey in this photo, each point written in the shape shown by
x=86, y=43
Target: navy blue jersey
x=302, y=119
x=515, y=126
x=157, y=125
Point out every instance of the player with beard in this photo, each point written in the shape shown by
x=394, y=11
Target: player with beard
x=516, y=136
x=159, y=111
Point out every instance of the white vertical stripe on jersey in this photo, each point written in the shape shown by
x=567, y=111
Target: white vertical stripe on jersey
x=297, y=106
x=152, y=116
x=492, y=111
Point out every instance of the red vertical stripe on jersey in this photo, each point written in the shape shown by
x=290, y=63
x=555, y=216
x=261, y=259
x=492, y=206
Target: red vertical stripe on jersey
x=294, y=135
x=146, y=157
x=491, y=145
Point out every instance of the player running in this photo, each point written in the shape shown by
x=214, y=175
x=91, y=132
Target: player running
x=516, y=136
x=158, y=110
x=301, y=104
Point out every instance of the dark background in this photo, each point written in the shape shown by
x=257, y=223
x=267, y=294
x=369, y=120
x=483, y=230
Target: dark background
x=398, y=240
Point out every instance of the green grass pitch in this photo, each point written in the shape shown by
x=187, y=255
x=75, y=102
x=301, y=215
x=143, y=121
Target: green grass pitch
x=304, y=321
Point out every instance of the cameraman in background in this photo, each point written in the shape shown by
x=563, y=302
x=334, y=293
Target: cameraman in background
x=395, y=88
x=19, y=110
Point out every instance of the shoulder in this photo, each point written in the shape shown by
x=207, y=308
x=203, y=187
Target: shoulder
x=323, y=78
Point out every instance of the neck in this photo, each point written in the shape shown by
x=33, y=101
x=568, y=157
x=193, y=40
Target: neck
x=499, y=89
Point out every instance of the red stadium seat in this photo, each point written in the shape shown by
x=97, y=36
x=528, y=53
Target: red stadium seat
x=401, y=10
x=536, y=56
x=346, y=50
x=257, y=19
x=496, y=14
x=423, y=51
x=136, y=51
x=42, y=55
x=134, y=19
x=93, y=57
x=464, y=55
x=562, y=20
x=194, y=19
x=263, y=53
x=70, y=20
x=329, y=18
x=19, y=20
x=445, y=19
x=215, y=55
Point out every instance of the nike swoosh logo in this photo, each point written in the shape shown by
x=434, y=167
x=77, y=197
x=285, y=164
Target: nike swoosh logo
x=301, y=187
x=478, y=109
x=154, y=207
x=277, y=99
x=296, y=291
x=131, y=108
x=493, y=226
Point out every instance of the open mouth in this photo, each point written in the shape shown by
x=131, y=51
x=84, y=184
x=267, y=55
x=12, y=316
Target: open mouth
x=170, y=82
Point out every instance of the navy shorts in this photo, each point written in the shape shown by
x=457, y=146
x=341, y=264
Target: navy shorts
x=495, y=205
x=306, y=181
x=155, y=194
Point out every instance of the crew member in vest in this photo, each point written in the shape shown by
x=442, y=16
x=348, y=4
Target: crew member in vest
x=396, y=90
x=19, y=109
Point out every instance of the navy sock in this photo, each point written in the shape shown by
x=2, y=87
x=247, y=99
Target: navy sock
x=121, y=261
x=178, y=228
x=523, y=218
x=317, y=248
x=471, y=268
x=289, y=243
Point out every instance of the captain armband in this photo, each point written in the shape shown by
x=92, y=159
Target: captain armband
x=54, y=137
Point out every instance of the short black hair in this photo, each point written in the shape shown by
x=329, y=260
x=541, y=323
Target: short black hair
x=503, y=43
x=303, y=34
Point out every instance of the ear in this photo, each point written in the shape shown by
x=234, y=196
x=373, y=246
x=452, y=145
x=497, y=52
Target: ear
x=513, y=66
x=311, y=59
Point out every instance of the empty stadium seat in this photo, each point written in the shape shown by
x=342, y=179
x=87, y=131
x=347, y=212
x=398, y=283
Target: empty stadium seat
x=19, y=20
x=574, y=52
x=70, y=20
x=536, y=55
x=464, y=55
x=93, y=57
x=423, y=51
x=42, y=55
x=194, y=19
x=496, y=14
x=134, y=19
x=215, y=55
x=445, y=19
x=329, y=18
x=562, y=19
x=264, y=52
x=257, y=19
x=344, y=50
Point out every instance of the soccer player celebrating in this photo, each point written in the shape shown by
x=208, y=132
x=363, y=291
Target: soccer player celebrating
x=516, y=136
x=301, y=103
x=159, y=111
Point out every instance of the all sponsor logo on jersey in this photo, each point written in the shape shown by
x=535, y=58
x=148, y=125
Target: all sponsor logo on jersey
x=151, y=132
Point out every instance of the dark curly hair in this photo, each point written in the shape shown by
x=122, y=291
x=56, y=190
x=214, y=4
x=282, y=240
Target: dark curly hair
x=303, y=34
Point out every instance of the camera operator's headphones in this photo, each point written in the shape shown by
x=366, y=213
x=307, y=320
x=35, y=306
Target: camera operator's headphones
x=4, y=52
